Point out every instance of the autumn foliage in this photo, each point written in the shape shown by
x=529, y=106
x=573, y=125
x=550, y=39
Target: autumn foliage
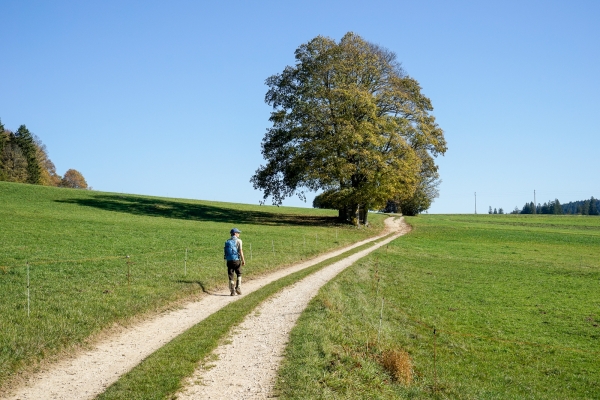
x=74, y=180
x=24, y=159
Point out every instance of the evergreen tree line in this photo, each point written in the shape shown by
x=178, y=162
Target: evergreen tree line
x=24, y=159
x=581, y=207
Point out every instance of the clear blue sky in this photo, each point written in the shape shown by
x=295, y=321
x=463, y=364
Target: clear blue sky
x=167, y=98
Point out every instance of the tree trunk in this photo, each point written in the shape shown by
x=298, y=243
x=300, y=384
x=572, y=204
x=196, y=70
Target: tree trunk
x=343, y=214
x=363, y=216
x=355, y=214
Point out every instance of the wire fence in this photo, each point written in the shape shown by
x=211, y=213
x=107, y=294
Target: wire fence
x=186, y=265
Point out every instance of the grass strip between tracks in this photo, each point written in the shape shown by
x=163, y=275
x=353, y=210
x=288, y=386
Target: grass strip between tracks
x=161, y=374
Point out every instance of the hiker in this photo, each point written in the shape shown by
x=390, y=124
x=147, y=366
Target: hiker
x=235, y=259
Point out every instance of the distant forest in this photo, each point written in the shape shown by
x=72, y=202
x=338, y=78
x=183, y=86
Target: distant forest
x=581, y=207
x=24, y=159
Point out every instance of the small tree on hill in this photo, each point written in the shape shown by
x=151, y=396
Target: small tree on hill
x=74, y=180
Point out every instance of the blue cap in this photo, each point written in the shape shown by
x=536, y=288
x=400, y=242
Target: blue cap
x=235, y=230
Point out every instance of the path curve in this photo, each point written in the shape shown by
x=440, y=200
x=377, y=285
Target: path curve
x=246, y=366
x=89, y=373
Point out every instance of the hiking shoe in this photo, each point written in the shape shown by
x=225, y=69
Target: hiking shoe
x=232, y=292
x=238, y=290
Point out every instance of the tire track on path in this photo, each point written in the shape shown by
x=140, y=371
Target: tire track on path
x=247, y=365
x=89, y=373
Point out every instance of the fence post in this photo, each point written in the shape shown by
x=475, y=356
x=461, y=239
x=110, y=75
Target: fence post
x=128, y=273
x=27, y=262
x=380, y=318
x=434, y=362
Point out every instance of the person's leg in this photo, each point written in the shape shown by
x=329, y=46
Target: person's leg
x=238, y=286
x=231, y=267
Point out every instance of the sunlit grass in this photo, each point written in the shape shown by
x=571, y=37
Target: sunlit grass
x=514, y=301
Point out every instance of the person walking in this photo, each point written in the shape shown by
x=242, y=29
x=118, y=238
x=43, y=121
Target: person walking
x=234, y=254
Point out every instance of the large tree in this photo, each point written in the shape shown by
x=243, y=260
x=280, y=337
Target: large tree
x=346, y=120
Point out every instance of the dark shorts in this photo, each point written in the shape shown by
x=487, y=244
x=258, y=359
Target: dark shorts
x=234, y=268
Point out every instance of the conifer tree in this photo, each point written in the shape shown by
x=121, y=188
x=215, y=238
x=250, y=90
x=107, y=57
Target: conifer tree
x=557, y=208
x=585, y=208
x=24, y=139
x=3, y=143
x=594, y=206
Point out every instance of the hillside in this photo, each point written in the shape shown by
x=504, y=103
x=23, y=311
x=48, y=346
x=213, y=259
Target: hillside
x=93, y=259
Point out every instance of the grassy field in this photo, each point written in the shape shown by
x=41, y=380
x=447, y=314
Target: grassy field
x=94, y=259
x=514, y=301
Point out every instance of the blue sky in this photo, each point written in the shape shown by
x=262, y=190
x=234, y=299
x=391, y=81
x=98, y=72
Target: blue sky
x=167, y=98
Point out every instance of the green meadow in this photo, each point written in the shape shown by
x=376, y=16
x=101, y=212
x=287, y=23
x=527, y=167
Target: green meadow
x=514, y=302
x=96, y=259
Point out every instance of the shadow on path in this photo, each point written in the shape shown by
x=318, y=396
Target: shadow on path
x=204, y=289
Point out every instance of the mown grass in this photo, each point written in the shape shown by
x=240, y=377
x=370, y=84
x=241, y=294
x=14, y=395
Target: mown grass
x=514, y=301
x=76, y=244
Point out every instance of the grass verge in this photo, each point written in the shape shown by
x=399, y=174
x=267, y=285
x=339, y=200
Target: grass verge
x=513, y=300
x=160, y=375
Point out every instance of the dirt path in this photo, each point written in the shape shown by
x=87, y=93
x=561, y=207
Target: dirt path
x=89, y=373
x=247, y=365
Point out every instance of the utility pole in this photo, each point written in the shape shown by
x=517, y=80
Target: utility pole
x=475, y=202
x=534, y=203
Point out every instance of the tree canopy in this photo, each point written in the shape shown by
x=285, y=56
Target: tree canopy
x=74, y=180
x=348, y=121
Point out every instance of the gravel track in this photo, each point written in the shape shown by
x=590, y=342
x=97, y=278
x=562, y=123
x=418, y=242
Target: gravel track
x=89, y=373
x=246, y=366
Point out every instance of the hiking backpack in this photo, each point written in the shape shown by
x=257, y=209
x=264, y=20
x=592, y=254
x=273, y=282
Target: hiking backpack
x=231, y=252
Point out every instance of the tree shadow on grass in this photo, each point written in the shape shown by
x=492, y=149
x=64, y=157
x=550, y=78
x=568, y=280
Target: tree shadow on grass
x=196, y=212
